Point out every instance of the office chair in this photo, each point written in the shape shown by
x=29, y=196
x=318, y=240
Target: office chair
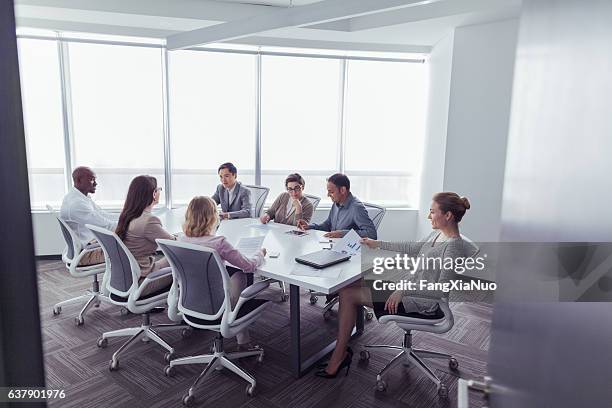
x=258, y=197
x=124, y=290
x=314, y=200
x=204, y=301
x=376, y=214
x=428, y=324
x=71, y=256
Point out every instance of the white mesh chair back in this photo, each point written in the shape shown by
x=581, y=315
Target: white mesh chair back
x=123, y=267
x=258, y=198
x=73, y=244
x=376, y=213
x=314, y=200
x=202, y=278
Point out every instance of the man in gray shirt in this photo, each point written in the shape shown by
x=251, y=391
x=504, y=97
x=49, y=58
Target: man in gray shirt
x=346, y=213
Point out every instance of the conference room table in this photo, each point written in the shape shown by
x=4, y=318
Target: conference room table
x=331, y=279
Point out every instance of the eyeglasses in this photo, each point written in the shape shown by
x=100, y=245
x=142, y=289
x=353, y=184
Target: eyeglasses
x=158, y=189
x=297, y=189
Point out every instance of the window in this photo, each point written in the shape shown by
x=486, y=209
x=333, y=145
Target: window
x=299, y=121
x=212, y=119
x=115, y=118
x=117, y=110
x=385, y=115
x=42, y=111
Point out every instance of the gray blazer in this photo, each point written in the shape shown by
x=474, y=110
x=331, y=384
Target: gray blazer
x=240, y=206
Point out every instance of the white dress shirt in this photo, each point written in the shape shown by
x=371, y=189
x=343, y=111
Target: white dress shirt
x=230, y=193
x=79, y=209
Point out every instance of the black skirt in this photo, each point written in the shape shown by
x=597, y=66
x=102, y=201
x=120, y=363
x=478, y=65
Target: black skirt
x=379, y=307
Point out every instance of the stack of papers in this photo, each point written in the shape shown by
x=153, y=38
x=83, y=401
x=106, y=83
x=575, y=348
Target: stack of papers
x=250, y=246
x=349, y=244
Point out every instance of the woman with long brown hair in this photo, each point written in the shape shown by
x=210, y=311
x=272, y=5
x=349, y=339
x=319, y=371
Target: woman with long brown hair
x=138, y=229
x=447, y=210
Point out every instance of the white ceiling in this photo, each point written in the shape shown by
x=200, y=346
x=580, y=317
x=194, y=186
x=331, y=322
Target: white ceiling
x=411, y=29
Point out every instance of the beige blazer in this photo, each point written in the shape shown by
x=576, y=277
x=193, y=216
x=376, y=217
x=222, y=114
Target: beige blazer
x=278, y=211
x=140, y=240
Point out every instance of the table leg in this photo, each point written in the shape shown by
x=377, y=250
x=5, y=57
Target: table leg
x=296, y=354
x=298, y=367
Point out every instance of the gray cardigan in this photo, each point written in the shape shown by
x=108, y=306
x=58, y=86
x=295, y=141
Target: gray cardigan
x=278, y=211
x=452, y=248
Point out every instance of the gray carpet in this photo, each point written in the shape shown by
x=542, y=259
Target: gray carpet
x=75, y=364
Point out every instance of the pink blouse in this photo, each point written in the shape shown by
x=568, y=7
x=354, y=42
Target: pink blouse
x=227, y=252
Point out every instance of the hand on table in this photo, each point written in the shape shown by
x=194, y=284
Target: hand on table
x=265, y=218
x=334, y=234
x=303, y=225
x=370, y=243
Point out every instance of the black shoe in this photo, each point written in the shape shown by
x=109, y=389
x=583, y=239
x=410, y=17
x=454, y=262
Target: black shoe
x=345, y=363
x=324, y=364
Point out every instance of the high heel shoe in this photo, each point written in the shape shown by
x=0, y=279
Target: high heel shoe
x=324, y=365
x=345, y=363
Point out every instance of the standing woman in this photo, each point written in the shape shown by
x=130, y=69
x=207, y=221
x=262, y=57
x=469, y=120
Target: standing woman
x=138, y=229
x=291, y=206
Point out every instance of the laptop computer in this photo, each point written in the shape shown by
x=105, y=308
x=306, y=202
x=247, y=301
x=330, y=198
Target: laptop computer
x=322, y=259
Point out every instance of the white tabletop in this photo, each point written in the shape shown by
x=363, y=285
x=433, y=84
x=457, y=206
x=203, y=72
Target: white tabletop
x=289, y=247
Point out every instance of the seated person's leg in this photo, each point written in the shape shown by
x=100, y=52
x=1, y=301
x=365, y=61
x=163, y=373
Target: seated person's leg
x=158, y=284
x=93, y=257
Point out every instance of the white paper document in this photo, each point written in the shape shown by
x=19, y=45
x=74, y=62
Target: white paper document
x=349, y=244
x=305, y=270
x=249, y=246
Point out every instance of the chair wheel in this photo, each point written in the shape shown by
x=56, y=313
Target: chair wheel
x=186, y=332
x=260, y=358
x=313, y=299
x=453, y=364
x=188, y=400
x=369, y=315
x=443, y=391
x=285, y=297
x=168, y=357
x=102, y=342
x=169, y=371
x=364, y=355
x=250, y=390
x=57, y=310
x=114, y=365
x=124, y=312
x=97, y=304
x=79, y=321
x=327, y=314
x=381, y=385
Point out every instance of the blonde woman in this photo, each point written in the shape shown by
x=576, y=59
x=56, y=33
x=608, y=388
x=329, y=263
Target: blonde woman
x=201, y=220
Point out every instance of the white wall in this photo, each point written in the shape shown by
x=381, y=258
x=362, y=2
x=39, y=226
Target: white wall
x=478, y=118
x=398, y=224
x=432, y=173
x=471, y=74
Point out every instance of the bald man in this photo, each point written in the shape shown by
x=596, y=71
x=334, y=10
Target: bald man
x=79, y=209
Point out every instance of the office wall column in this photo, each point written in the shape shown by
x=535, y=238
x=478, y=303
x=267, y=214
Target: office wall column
x=341, y=114
x=21, y=361
x=166, y=116
x=258, y=120
x=66, y=92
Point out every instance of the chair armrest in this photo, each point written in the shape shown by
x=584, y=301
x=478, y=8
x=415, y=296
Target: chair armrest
x=90, y=246
x=251, y=291
x=158, y=274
